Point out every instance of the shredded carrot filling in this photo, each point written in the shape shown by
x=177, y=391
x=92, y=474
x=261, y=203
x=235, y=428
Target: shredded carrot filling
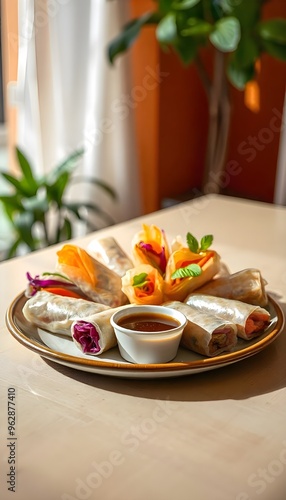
x=201, y=261
x=146, y=290
x=62, y=291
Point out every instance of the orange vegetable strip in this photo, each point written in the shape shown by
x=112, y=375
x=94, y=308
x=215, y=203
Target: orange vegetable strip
x=200, y=261
x=203, y=261
x=146, y=290
x=62, y=291
x=255, y=323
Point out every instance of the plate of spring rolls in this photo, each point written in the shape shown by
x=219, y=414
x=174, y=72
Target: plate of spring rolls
x=64, y=315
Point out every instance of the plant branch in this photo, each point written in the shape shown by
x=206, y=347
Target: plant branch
x=216, y=165
x=203, y=75
x=220, y=156
x=214, y=117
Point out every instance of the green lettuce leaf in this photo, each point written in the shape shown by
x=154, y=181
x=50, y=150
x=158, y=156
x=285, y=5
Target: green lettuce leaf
x=139, y=280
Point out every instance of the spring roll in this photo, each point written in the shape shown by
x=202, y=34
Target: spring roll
x=180, y=288
x=150, y=246
x=205, y=334
x=95, y=335
x=56, y=313
x=250, y=320
x=96, y=281
x=108, y=252
x=246, y=286
x=143, y=284
x=52, y=283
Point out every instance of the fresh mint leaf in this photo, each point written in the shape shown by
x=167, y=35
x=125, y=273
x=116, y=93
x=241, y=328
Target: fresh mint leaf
x=193, y=243
x=139, y=279
x=192, y=270
x=206, y=242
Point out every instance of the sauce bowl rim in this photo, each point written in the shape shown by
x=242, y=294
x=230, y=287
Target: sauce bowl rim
x=153, y=309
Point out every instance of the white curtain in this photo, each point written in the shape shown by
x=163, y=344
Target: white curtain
x=68, y=96
x=280, y=183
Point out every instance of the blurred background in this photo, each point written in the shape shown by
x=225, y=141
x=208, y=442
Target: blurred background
x=142, y=121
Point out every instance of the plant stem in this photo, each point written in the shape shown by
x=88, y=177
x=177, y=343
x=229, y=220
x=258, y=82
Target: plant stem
x=221, y=149
x=203, y=75
x=219, y=123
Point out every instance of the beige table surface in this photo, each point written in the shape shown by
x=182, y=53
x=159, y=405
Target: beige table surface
x=217, y=435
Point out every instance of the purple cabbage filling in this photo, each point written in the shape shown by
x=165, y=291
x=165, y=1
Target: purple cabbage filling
x=86, y=335
x=162, y=255
x=37, y=283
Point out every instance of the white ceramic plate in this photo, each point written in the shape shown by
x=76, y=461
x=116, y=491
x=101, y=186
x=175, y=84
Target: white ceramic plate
x=62, y=350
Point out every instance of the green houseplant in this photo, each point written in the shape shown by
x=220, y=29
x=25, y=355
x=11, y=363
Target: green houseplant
x=38, y=210
x=237, y=35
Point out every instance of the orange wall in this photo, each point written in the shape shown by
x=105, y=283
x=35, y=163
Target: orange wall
x=145, y=61
x=254, y=137
x=183, y=128
x=172, y=156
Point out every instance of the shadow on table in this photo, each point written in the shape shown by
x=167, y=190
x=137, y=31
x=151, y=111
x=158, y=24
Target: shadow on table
x=262, y=373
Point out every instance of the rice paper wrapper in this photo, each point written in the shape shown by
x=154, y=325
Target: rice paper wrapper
x=150, y=246
x=108, y=252
x=179, y=289
x=96, y=281
x=240, y=313
x=56, y=313
x=204, y=333
x=94, y=335
x=149, y=291
x=246, y=286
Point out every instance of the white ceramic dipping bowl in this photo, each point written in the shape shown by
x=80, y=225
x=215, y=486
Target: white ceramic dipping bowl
x=147, y=347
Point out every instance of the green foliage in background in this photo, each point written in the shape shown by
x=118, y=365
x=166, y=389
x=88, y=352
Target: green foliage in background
x=230, y=26
x=37, y=209
x=238, y=36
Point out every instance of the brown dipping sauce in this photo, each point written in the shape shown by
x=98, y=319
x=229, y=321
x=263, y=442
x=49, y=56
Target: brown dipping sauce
x=148, y=322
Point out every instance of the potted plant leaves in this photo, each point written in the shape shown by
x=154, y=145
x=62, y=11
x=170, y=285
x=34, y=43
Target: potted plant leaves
x=237, y=35
x=39, y=211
